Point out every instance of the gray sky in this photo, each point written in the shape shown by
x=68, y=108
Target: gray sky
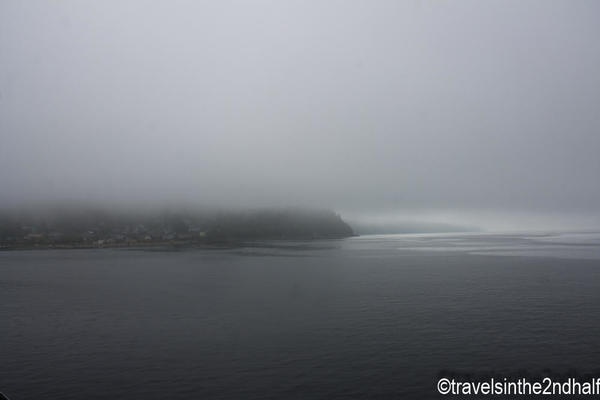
x=433, y=109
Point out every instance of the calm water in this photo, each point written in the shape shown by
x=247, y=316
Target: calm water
x=369, y=317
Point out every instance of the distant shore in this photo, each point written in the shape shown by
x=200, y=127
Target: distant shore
x=94, y=229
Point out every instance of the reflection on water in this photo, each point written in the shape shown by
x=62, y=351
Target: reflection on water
x=581, y=245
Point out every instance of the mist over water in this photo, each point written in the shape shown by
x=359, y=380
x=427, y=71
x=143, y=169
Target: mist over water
x=181, y=183
x=478, y=112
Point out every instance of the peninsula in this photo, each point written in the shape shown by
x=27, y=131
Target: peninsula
x=87, y=228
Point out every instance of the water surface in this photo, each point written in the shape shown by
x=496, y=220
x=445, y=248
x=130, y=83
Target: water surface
x=367, y=317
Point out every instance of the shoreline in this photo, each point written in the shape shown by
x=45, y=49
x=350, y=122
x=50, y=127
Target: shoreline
x=224, y=244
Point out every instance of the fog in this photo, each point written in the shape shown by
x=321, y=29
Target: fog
x=482, y=113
